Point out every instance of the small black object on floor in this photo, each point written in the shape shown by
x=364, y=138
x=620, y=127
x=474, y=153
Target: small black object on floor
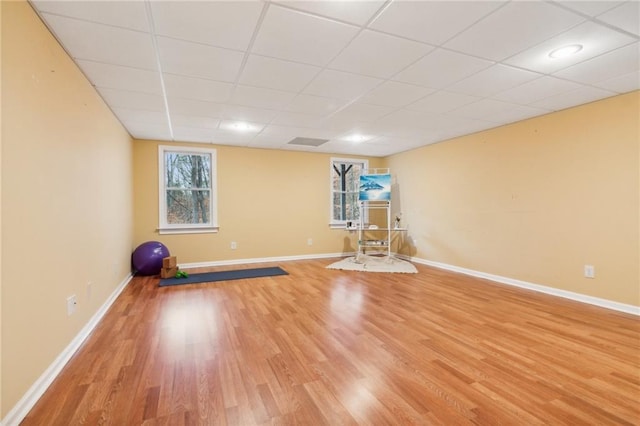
x=237, y=274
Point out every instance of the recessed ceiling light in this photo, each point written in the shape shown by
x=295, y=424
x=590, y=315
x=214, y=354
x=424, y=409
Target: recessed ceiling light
x=239, y=126
x=357, y=138
x=564, y=51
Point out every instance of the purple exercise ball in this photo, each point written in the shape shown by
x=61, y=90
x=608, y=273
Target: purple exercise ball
x=147, y=257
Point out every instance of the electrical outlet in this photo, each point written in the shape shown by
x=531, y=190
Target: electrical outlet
x=72, y=304
x=589, y=271
x=89, y=290
x=310, y=241
x=234, y=245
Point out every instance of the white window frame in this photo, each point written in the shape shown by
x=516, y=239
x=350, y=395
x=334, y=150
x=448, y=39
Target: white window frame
x=340, y=224
x=172, y=228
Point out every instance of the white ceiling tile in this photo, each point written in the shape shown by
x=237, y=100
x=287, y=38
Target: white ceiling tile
x=223, y=137
x=595, y=40
x=493, y=80
x=535, y=90
x=450, y=126
x=202, y=52
x=193, y=134
x=212, y=136
x=126, y=14
x=625, y=16
x=196, y=88
x=241, y=127
x=441, y=68
x=395, y=94
x=514, y=28
x=310, y=104
x=300, y=120
x=297, y=36
x=402, y=123
x=440, y=102
x=103, y=43
x=198, y=60
x=357, y=12
x=195, y=107
x=431, y=22
x=261, y=98
x=276, y=135
x=622, y=84
x=605, y=67
x=363, y=112
x=366, y=130
x=395, y=141
x=378, y=55
x=140, y=116
x=123, y=78
x=267, y=141
x=249, y=114
x=148, y=130
x=180, y=120
x=438, y=122
x=132, y=100
x=357, y=113
x=352, y=148
x=497, y=111
x=227, y=24
x=582, y=95
x=472, y=126
x=341, y=85
x=590, y=7
x=277, y=74
x=438, y=127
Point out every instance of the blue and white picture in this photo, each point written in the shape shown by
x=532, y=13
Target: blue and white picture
x=375, y=187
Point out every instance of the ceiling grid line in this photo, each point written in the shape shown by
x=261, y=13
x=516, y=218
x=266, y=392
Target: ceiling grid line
x=404, y=73
x=163, y=88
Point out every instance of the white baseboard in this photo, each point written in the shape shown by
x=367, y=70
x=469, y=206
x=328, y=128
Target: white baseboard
x=604, y=303
x=29, y=399
x=262, y=260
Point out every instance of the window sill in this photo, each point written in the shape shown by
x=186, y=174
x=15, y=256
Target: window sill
x=204, y=230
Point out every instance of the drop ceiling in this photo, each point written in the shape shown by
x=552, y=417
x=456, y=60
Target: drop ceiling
x=372, y=77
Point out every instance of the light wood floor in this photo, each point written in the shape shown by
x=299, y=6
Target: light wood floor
x=333, y=347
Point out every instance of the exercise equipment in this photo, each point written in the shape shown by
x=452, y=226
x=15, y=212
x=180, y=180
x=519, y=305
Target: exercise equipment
x=147, y=257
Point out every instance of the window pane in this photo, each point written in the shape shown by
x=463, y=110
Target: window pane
x=345, y=187
x=188, y=207
x=336, y=177
x=353, y=178
x=187, y=170
x=337, y=206
x=352, y=208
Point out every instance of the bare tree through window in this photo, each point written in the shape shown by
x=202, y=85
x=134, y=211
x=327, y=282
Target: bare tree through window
x=187, y=189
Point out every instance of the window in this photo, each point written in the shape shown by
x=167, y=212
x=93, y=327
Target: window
x=345, y=183
x=187, y=190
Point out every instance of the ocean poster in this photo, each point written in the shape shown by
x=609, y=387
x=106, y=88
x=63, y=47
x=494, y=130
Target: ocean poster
x=375, y=187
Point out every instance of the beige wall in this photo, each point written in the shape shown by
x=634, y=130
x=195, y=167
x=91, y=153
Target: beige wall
x=66, y=197
x=270, y=202
x=535, y=200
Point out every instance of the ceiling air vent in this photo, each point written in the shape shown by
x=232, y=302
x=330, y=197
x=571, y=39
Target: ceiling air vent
x=307, y=141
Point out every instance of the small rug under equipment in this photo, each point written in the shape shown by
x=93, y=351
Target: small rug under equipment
x=365, y=263
x=237, y=274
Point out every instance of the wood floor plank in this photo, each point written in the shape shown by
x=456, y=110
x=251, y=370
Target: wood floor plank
x=328, y=347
